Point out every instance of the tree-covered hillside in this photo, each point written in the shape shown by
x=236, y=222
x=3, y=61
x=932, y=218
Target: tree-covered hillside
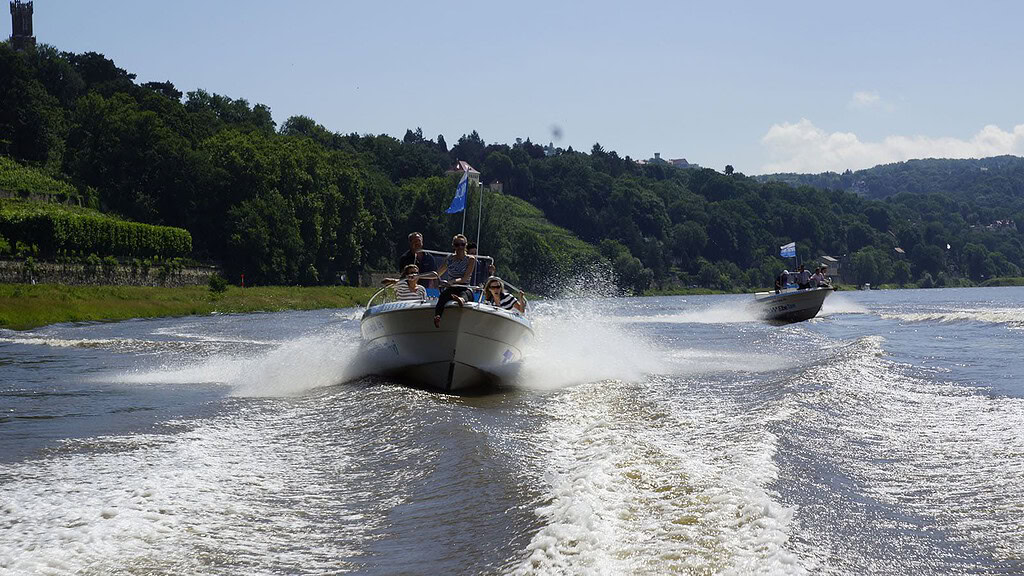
x=301, y=204
x=989, y=181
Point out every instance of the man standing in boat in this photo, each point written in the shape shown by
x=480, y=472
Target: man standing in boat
x=803, y=278
x=423, y=261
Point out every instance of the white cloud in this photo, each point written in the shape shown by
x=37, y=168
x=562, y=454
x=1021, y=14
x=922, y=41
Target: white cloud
x=865, y=100
x=803, y=147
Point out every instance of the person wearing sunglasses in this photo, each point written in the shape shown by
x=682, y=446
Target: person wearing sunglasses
x=406, y=287
x=495, y=295
x=455, y=273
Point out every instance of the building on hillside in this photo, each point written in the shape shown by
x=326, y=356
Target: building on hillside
x=462, y=166
x=1008, y=225
x=835, y=268
x=21, y=25
x=676, y=162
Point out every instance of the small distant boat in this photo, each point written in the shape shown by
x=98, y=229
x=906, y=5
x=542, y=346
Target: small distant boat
x=865, y=286
x=790, y=305
x=474, y=346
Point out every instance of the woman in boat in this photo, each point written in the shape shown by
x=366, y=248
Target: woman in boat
x=495, y=295
x=456, y=271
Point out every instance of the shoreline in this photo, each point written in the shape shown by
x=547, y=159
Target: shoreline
x=991, y=283
x=27, y=306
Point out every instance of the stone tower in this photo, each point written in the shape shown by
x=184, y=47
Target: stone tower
x=21, y=25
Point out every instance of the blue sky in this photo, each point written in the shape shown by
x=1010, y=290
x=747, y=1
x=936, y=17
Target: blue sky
x=764, y=86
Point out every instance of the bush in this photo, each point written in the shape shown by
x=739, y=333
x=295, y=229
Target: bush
x=92, y=264
x=109, y=264
x=218, y=284
x=29, y=271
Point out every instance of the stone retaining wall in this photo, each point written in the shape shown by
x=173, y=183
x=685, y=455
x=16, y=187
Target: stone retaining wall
x=43, y=198
x=16, y=271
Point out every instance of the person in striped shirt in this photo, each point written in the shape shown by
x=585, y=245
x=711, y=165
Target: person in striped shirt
x=495, y=295
x=407, y=287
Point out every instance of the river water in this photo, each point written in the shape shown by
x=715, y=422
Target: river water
x=646, y=436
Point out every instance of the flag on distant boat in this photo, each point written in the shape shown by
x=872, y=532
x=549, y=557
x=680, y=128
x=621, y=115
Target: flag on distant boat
x=788, y=250
x=459, y=202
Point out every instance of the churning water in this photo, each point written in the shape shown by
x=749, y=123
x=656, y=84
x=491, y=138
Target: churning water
x=641, y=436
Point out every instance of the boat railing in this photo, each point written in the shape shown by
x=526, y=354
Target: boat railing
x=387, y=293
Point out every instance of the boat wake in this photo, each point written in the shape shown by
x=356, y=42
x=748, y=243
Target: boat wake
x=896, y=441
x=576, y=344
x=838, y=303
x=1012, y=317
x=638, y=483
x=725, y=313
x=296, y=366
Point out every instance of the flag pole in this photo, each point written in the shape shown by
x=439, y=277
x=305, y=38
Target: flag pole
x=466, y=202
x=479, y=216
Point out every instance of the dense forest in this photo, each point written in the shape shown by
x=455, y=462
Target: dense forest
x=297, y=203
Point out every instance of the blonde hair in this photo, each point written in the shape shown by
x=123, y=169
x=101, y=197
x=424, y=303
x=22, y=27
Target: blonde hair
x=410, y=269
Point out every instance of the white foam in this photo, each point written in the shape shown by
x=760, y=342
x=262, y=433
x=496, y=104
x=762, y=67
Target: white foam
x=638, y=485
x=573, y=346
x=293, y=367
x=733, y=312
x=1012, y=317
x=839, y=303
x=230, y=495
x=576, y=343
x=30, y=339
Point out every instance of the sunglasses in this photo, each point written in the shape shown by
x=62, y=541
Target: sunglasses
x=459, y=244
x=494, y=287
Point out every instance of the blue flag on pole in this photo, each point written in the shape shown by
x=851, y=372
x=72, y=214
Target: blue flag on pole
x=459, y=202
x=788, y=250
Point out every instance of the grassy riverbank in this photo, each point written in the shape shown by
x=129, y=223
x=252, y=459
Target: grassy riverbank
x=24, y=306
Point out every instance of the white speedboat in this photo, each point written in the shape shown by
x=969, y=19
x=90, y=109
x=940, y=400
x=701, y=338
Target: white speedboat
x=790, y=305
x=474, y=346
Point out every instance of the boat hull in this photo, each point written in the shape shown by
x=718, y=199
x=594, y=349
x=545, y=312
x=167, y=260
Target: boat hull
x=789, y=306
x=474, y=346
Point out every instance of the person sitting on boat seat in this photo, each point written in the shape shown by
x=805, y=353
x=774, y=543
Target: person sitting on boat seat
x=455, y=272
x=408, y=287
x=803, y=278
x=826, y=281
x=817, y=279
x=495, y=295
